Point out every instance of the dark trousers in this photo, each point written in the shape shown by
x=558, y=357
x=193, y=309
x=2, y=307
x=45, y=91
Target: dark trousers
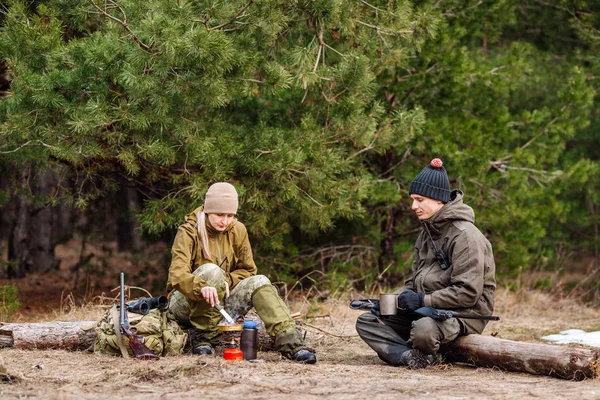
x=391, y=336
x=388, y=336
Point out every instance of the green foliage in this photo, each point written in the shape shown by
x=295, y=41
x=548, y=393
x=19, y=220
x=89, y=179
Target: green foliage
x=9, y=301
x=320, y=113
x=279, y=96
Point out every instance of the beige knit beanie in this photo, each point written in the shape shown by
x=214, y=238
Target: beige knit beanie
x=221, y=198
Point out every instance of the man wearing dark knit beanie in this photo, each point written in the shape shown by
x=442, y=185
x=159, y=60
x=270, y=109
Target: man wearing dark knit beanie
x=212, y=263
x=453, y=269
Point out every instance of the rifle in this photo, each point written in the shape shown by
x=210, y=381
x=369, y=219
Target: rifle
x=136, y=343
x=440, y=315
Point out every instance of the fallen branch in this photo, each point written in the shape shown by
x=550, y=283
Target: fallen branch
x=329, y=333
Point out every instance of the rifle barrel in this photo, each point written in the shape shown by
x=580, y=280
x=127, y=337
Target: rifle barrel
x=122, y=312
x=472, y=316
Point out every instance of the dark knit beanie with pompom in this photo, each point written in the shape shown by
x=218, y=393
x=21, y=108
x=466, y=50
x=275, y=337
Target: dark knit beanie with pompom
x=432, y=182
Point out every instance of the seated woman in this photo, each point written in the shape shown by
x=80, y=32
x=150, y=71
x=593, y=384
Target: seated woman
x=211, y=263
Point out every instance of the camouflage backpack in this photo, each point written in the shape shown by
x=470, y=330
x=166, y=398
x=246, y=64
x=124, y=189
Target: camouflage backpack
x=160, y=334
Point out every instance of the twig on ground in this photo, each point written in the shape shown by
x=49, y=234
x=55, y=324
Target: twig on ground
x=329, y=333
x=318, y=316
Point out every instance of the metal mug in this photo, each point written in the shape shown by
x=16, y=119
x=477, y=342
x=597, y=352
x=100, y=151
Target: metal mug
x=388, y=303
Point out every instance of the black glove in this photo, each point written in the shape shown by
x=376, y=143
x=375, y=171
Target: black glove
x=409, y=300
x=375, y=310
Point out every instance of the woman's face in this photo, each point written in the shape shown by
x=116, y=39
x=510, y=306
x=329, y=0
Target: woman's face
x=220, y=221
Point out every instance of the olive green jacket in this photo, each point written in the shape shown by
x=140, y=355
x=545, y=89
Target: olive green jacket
x=229, y=249
x=468, y=285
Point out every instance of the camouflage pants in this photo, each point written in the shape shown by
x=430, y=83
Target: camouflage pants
x=255, y=291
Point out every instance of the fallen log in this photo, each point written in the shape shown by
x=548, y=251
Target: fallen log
x=566, y=362
x=74, y=335
x=48, y=335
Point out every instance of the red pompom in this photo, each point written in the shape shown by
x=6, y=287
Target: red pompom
x=436, y=163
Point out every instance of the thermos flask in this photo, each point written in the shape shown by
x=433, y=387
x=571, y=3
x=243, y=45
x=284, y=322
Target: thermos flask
x=249, y=340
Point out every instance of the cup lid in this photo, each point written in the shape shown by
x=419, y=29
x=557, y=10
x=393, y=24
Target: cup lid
x=249, y=324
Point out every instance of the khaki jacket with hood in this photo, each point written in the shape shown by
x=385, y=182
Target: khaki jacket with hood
x=230, y=249
x=468, y=285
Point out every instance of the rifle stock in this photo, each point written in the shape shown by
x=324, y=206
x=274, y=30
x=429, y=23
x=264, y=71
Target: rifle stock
x=136, y=344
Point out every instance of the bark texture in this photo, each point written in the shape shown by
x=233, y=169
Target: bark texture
x=74, y=335
x=566, y=362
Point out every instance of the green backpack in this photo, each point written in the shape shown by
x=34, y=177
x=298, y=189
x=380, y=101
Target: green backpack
x=159, y=333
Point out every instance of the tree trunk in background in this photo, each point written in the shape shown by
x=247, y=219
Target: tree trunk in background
x=129, y=238
x=31, y=241
x=63, y=215
x=43, y=238
x=18, y=244
x=6, y=210
x=388, y=230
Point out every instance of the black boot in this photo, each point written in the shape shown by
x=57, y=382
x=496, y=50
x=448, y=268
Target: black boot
x=304, y=356
x=203, y=349
x=416, y=359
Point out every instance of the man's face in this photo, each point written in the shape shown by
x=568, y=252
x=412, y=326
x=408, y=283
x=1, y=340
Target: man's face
x=220, y=221
x=425, y=207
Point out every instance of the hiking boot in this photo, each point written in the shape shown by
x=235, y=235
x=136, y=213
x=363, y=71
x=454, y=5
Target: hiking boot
x=416, y=359
x=304, y=356
x=203, y=349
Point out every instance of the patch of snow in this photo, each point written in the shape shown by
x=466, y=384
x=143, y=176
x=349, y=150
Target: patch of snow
x=575, y=336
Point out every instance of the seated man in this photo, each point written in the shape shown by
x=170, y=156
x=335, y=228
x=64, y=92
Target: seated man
x=212, y=262
x=453, y=269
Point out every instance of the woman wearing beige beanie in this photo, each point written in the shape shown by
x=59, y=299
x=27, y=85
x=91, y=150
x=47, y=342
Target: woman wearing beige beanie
x=212, y=263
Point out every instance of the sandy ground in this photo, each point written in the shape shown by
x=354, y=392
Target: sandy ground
x=347, y=367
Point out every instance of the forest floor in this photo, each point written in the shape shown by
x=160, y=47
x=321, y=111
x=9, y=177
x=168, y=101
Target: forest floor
x=346, y=369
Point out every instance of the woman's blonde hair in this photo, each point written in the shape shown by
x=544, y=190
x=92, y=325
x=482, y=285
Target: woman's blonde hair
x=203, y=234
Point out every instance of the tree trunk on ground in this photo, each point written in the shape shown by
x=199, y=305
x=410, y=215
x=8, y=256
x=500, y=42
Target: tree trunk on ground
x=75, y=335
x=48, y=335
x=574, y=363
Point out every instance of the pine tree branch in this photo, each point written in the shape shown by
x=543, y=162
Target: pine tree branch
x=385, y=31
x=309, y=196
x=31, y=142
x=500, y=164
x=232, y=20
x=322, y=45
x=320, y=39
x=122, y=22
x=369, y=147
x=575, y=14
x=334, y=98
x=372, y=6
